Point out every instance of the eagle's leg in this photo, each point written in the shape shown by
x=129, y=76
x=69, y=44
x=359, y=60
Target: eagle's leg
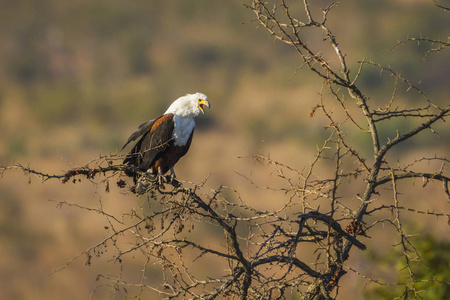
x=173, y=179
x=161, y=179
x=172, y=175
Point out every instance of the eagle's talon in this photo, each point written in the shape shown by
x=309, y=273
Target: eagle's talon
x=175, y=183
x=172, y=179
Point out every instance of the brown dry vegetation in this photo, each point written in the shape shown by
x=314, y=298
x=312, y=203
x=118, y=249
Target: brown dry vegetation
x=78, y=77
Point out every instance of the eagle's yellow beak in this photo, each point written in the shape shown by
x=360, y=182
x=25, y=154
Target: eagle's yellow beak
x=201, y=104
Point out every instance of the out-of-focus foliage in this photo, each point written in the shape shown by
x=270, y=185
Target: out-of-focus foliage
x=89, y=60
x=95, y=61
x=436, y=261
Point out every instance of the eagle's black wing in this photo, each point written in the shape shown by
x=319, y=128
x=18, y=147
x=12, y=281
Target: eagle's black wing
x=156, y=135
x=142, y=130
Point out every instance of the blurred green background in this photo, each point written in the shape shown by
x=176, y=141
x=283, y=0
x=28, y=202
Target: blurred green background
x=77, y=77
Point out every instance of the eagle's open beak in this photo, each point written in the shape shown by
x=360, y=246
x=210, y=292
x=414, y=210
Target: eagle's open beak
x=201, y=104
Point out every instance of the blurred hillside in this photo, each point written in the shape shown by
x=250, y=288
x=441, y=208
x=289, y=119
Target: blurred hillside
x=78, y=77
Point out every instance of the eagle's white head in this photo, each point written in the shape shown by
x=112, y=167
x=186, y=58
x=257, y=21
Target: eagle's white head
x=189, y=106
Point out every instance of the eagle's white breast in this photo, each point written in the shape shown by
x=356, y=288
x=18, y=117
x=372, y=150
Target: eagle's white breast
x=182, y=130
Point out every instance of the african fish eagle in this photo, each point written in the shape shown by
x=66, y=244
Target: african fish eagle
x=163, y=141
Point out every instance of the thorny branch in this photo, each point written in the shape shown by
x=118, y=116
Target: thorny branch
x=278, y=20
x=245, y=268
x=437, y=45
